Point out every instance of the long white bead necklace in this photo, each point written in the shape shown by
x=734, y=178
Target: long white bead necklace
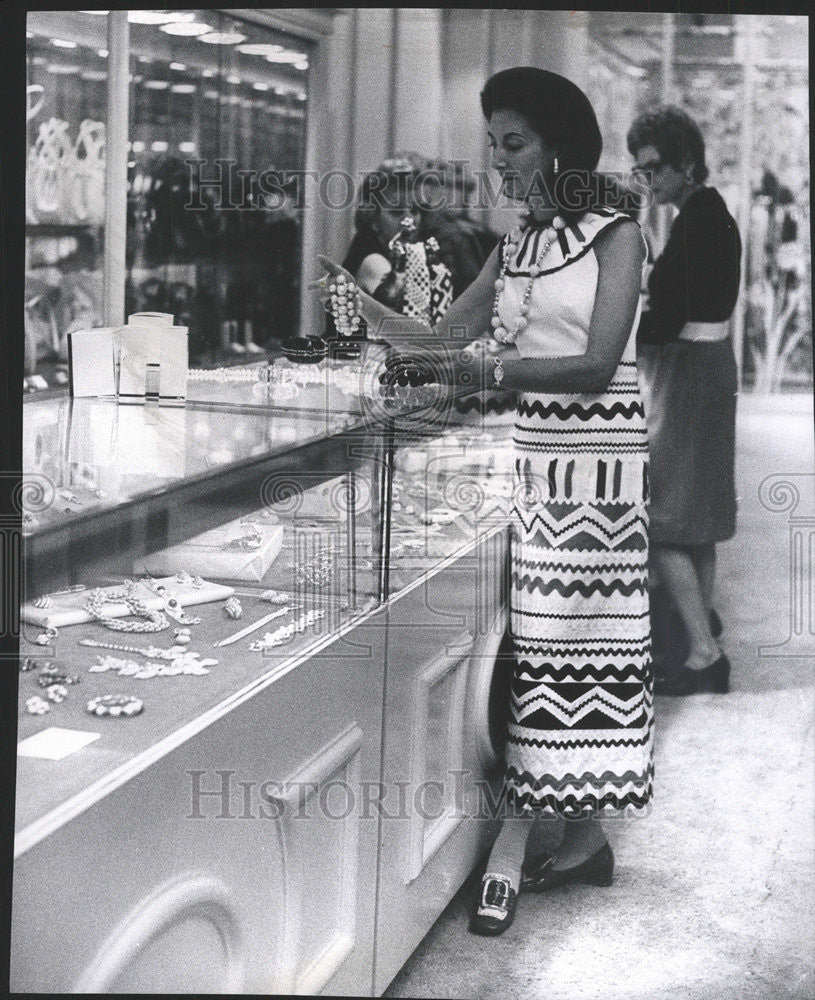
x=510, y=249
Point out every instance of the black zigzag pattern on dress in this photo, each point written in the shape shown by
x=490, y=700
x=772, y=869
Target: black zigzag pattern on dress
x=640, y=519
x=535, y=408
x=606, y=778
x=599, y=673
x=567, y=567
x=530, y=584
x=540, y=647
x=585, y=542
x=573, y=744
x=571, y=805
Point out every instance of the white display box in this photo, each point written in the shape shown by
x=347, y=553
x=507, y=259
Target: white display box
x=92, y=362
x=148, y=359
x=153, y=361
x=215, y=554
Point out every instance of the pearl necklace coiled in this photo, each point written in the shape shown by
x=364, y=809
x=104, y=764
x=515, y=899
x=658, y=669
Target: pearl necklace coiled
x=500, y=332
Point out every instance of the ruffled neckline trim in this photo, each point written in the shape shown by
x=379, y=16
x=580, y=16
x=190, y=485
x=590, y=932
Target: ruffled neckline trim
x=570, y=244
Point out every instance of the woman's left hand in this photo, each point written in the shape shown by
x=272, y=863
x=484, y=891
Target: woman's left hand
x=332, y=272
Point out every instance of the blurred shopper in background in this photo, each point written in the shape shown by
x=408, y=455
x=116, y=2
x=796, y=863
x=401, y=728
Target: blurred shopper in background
x=687, y=352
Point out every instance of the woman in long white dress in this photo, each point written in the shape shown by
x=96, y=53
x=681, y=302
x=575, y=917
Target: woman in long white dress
x=553, y=315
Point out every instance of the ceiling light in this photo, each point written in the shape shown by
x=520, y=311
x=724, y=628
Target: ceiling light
x=102, y=52
x=157, y=84
x=286, y=56
x=260, y=86
x=94, y=12
x=157, y=17
x=222, y=38
x=159, y=146
x=62, y=44
x=183, y=88
x=186, y=147
x=138, y=146
x=212, y=95
x=300, y=65
x=208, y=72
x=180, y=67
x=60, y=69
x=233, y=79
x=94, y=74
x=190, y=28
x=259, y=49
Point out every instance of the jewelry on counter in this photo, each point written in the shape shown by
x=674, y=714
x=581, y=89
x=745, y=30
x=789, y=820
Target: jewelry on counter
x=318, y=570
x=156, y=620
x=182, y=577
x=233, y=608
x=49, y=677
x=56, y=693
x=44, y=602
x=254, y=540
x=305, y=350
x=275, y=597
x=251, y=628
x=115, y=705
x=37, y=706
x=172, y=606
x=285, y=632
x=197, y=582
x=182, y=663
x=498, y=374
x=70, y=497
x=47, y=637
x=30, y=663
x=510, y=248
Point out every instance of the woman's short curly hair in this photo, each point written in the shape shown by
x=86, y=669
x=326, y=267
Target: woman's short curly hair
x=674, y=135
x=386, y=187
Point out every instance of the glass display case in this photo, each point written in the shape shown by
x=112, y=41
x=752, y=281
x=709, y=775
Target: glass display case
x=369, y=581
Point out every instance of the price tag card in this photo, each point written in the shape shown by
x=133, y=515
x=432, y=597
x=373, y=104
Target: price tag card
x=55, y=743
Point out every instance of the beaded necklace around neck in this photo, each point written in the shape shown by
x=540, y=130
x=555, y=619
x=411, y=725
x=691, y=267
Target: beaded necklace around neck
x=510, y=249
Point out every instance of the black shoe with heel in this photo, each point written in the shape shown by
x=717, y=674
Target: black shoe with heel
x=495, y=909
x=596, y=870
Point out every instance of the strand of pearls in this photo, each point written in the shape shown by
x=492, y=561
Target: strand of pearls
x=239, y=373
x=343, y=301
x=510, y=249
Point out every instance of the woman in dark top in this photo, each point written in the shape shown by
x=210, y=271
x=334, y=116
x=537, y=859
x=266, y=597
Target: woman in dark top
x=684, y=343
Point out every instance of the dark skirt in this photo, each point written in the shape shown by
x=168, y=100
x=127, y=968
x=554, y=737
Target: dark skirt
x=690, y=398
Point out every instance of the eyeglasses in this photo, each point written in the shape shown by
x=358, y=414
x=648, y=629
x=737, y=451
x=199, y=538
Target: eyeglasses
x=650, y=167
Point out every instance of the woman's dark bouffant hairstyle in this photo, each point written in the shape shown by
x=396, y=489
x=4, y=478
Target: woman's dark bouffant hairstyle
x=560, y=113
x=674, y=135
